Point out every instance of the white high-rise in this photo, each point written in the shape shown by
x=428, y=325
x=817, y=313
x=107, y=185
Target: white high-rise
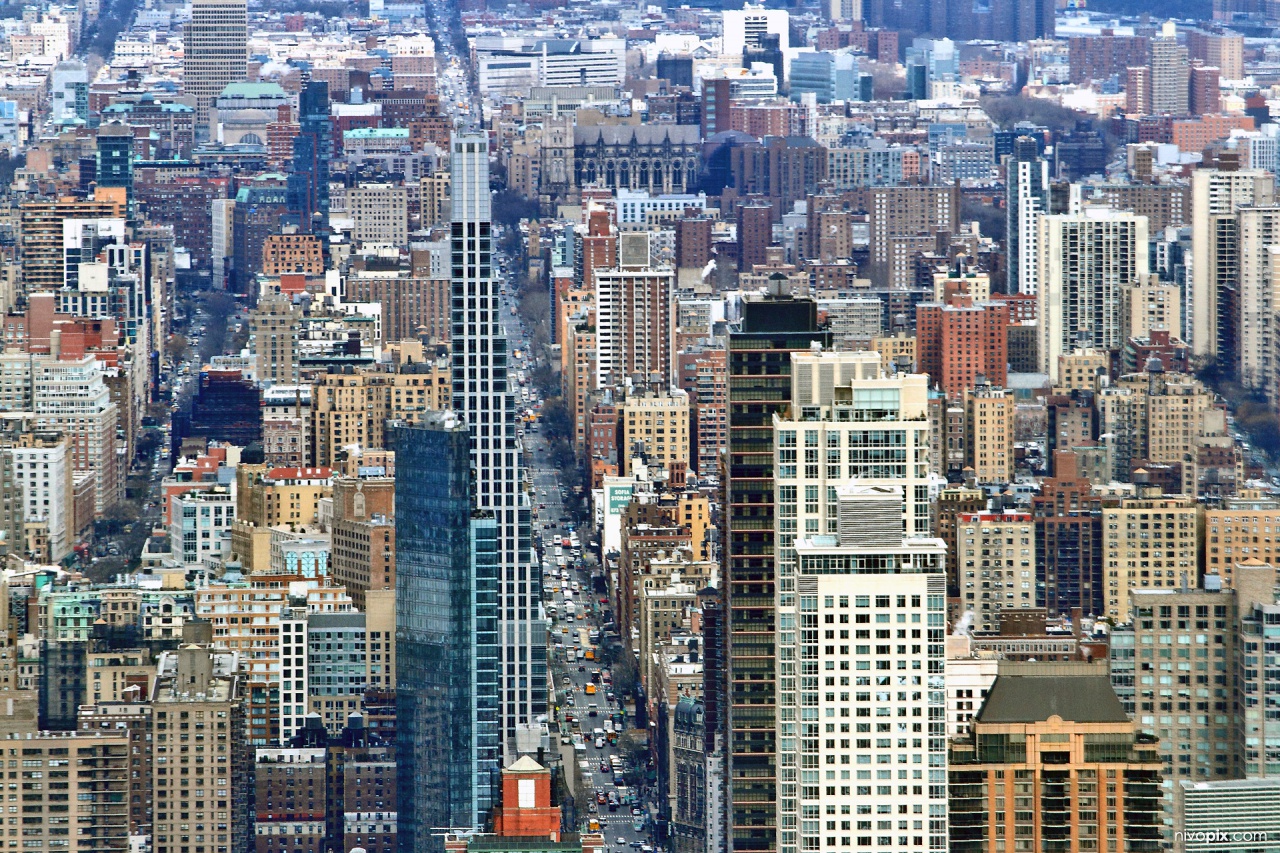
x=850, y=423
x=1258, y=272
x=1215, y=197
x=1028, y=199
x=1086, y=260
x=482, y=394
x=862, y=737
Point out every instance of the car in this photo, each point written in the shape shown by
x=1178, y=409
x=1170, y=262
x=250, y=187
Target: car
x=582, y=669
x=600, y=797
x=566, y=740
x=637, y=844
x=605, y=768
x=637, y=812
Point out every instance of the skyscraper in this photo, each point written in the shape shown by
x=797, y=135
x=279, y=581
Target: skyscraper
x=214, y=53
x=483, y=397
x=1216, y=195
x=308, y=180
x=1028, y=188
x=1084, y=261
x=1170, y=73
x=863, y=698
x=446, y=635
x=773, y=327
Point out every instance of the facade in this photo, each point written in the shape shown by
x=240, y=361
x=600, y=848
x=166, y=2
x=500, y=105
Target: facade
x=659, y=159
x=1053, y=753
x=380, y=213
x=997, y=566
x=482, y=396
x=1228, y=816
x=215, y=53
x=1161, y=555
x=988, y=433
x=447, y=682
x=963, y=340
x=634, y=318
x=1170, y=72
x=1216, y=195
x=656, y=421
x=1256, y=333
x=1027, y=186
x=759, y=387
x=274, y=326
x=1085, y=261
x=199, y=721
x=1194, y=748
x=867, y=572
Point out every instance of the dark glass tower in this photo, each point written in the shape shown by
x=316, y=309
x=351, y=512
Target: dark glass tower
x=772, y=328
x=115, y=157
x=308, y=186
x=448, y=736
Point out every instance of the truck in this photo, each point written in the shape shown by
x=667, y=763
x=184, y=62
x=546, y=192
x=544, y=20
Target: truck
x=570, y=609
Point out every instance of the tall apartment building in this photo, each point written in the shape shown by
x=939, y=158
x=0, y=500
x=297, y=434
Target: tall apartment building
x=988, y=433
x=41, y=234
x=1250, y=807
x=200, y=751
x=1053, y=756
x=363, y=533
x=1068, y=519
x=379, y=213
x=869, y=600
x=997, y=567
x=1242, y=529
x=1216, y=195
x=1169, y=74
x=1027, y=195
x=274, y=325
x=1085, y=260
x=655, y=422
x=1223, y=50
x=962, y=340
x=448, y=600
x=351, y=406
x=1188, y=699
x=42, y=475
x=412, y=306
x=1150, y=542
x=773, y=327
x=1257, y=347
x=482, y=395
x=75, y=789
x=703, y=374
x=849, y=422
x=634, y=317
x=215, y=53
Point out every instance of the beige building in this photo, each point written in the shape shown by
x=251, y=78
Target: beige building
x=1148, y=542
x=379, y=213
x=996, y=565
x=1150, y=306
x=75, y=792
x=657, y=421
x=988, y=433
x=435, y=198
x=1078, y=370
x=351, y=408
x=201, y=755
x=1244, y=528
x=215, y=53
x=268, y=497
x=1216, y=195
x=664, y=613
x=274, y=326
x=899, y=348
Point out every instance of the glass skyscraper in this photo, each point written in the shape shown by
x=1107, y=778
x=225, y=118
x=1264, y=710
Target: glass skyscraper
x=308, y=180
x=483, y=397
x=449, y=743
